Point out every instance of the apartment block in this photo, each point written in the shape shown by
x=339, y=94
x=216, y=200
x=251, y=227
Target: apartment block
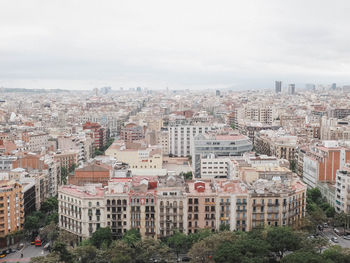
x=157, y=206
x=276, y=143
x=138, y=155
x=322, y=161
x=132, y=132
x=222, y=143
x=99, y=134
x=11, y=207
x=81, y=209
x=181, y=138
x=342, y=193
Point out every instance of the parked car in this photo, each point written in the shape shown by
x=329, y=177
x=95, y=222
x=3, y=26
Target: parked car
x=334, y=239
x=186, y=259
x=325, y=225
x=347, y=237
x=336, y=231
x=10, y=250
x=3, y=254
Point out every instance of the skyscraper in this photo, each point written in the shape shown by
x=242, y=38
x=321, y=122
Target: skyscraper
x=278, y=86
x=291, y=89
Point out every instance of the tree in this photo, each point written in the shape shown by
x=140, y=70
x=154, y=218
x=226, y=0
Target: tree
x=303, y=257
x=188, y=176
x=204, y=249
x=72, y=167
x=244, y=249
x=315, y=244
x=336, y=254
x=100, y=236
x=52, y=218
x=64, y=174
x=67, y=237
x=85, y=254
x=178, y=241
x=97, y=152
x=317, y=216
x=49, y=232
x=282, y=239
x=131, y=237
x=340, y=219
x=51, y=258
x=150, y=249
x=330, y=212
x=224, y=227
x=121, y=252
x=32, y=223
x=61, y=249
x=49, y=205
x=315, y=195
x=293, y=166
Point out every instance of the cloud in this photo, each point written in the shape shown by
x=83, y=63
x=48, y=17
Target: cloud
x=182, y=44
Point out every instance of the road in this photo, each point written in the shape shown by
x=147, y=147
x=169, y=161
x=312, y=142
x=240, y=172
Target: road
x=28, y=252
x=329, y=233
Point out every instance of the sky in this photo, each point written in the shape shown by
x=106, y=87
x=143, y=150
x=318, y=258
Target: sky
x=190, y=44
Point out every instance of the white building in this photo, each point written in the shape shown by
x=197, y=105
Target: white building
x=310, y=171
x=342, y=193
x=216, y=167
x=181, y=138
x=81, y=209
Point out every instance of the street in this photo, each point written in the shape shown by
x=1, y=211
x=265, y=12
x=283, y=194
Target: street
x=28, y=252
x=329, y=233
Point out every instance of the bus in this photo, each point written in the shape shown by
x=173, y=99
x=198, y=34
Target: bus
x=37, y=242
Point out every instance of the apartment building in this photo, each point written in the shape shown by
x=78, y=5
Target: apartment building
x=118, y=209
x=201, y=206
x=171, y=206
x=81, y=209
x=66, y=158
x=276, y=143
x=132, y=132
x=107, y=119
x=321, y=162
x=162, y=138
x=232, y=205
x=36, y=141
x=79, y=142
x=215, y=167
x=335, y=129
x=137, y=155
x=11, y=209
x=143, y=205
x=342, y=193
x=157, y=206
x=251, y=128
x=263, y=114
x=277, y=202
x=99, y=134
x=95, y=172
x=6, y=162
x=181, y=138
x=221, y=143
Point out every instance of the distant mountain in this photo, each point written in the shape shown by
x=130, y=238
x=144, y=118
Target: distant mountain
x=13, y=90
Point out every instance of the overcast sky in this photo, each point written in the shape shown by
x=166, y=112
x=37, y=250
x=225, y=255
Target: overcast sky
x=82, y=44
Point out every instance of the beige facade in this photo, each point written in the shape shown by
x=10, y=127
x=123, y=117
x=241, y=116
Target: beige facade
x=157, y=206
x=82, y=210
x=136, y=155
x=163, y=140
